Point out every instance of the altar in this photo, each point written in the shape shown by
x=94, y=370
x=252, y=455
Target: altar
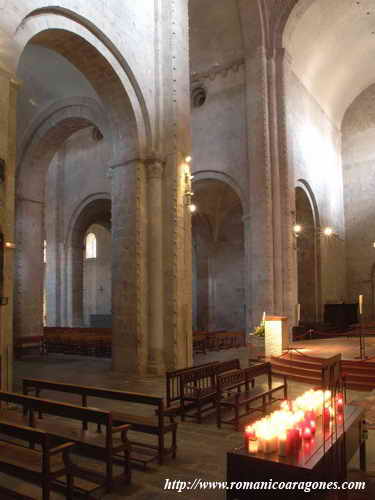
x=323, y=459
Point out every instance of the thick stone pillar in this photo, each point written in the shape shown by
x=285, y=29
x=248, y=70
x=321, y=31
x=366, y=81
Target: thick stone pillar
x=129, y=273
x=76, y=276
x=155, y=266
x=29, y=268
x=258, y=224
x=8, y=95
x=53, y=236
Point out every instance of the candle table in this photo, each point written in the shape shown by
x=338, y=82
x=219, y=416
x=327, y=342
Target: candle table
x=324, y=457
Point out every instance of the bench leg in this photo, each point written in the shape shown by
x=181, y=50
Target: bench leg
x=69, y=486
x=218, y=414
x=127, y=468
x=161, y=449
x=109, y=475
x=199, y=413
x=174, y=443
x=46, y=490
x=237, y=418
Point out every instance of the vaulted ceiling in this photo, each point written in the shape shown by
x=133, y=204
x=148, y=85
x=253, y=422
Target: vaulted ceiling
x=332, y=46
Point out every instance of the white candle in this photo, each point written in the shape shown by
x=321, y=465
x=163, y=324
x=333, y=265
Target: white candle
x=298, y=312
x=264, y=317
x=360, y=301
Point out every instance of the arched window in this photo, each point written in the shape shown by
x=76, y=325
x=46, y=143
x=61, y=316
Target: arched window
x=91, y=246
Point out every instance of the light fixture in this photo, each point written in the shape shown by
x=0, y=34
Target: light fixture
x=297, y=228
x=188, y=192
x=373, y=244
x=9, y=244
x=188, y=159
x=328, y=231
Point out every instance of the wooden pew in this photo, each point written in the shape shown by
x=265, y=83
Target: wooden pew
x=241, y=382
x=173, y=383
x=154, y=424
x=43, y=466
x=110, y=447
x=358, y=375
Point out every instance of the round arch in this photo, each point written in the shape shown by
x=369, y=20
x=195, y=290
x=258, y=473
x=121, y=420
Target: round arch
x=308, y=253
x=81, y=42
x=219, y=255
x=95, y=209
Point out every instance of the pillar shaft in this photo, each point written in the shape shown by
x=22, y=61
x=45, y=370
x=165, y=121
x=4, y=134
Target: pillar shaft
x=155, y=267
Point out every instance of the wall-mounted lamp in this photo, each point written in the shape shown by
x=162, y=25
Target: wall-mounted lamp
x=2, y=170
x=188, y=192
x=297, y=229
x=9, y=244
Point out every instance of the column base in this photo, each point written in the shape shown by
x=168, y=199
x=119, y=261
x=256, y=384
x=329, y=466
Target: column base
x=156, y=365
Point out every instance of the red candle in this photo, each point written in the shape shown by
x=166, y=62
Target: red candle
x=340, y=403
x=312, y=425
x=249, y=434
x=307, y=434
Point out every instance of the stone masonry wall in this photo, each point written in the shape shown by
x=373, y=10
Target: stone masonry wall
x=359, y=181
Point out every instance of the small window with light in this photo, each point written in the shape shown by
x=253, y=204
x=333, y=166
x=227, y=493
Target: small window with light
x=91, y=246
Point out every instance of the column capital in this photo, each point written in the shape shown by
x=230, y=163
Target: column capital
x=154, y=168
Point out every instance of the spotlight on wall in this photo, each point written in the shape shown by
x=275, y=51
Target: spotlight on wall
x=297, y=229
x=328, y=231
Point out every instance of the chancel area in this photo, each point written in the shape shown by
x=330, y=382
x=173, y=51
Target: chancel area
x=187, y=249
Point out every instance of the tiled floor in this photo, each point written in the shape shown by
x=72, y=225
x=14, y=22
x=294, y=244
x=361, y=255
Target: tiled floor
x=202, y=448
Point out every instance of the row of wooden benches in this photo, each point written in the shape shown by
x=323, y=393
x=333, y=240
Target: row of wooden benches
x=216, y=341
x=83, y=426
x=191, y=392
x=98, y=341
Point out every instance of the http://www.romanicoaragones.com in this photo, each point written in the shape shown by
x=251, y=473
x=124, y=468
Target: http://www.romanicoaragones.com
x=270, y=485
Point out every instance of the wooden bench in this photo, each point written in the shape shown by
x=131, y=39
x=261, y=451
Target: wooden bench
x=25, y=344
x=43, y=466
x=154, y=424
x=235, y=390
x=110, y=447
x=358, y=375
x=173, y=384
x=199, y=388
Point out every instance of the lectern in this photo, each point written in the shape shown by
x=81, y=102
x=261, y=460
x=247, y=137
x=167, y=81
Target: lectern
x=276, y=335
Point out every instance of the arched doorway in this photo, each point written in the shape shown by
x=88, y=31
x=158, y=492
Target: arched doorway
x=218, y=257
x=89, y=274
x=308, y=256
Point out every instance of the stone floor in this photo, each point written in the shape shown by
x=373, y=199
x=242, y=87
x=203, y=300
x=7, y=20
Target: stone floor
x=202, y=448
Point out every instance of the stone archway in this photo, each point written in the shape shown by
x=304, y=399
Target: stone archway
x=125, y=134
x=308, y=255
x=218, y=238
x=96, y=210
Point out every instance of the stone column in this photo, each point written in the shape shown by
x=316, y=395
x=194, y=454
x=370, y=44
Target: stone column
x=129, y=271
x=155, y=266
x=29, y=268
x=8, y=96
x=76, y=276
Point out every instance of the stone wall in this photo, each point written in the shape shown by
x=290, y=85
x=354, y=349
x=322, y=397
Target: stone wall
x=358, y=152
x=314, y=147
